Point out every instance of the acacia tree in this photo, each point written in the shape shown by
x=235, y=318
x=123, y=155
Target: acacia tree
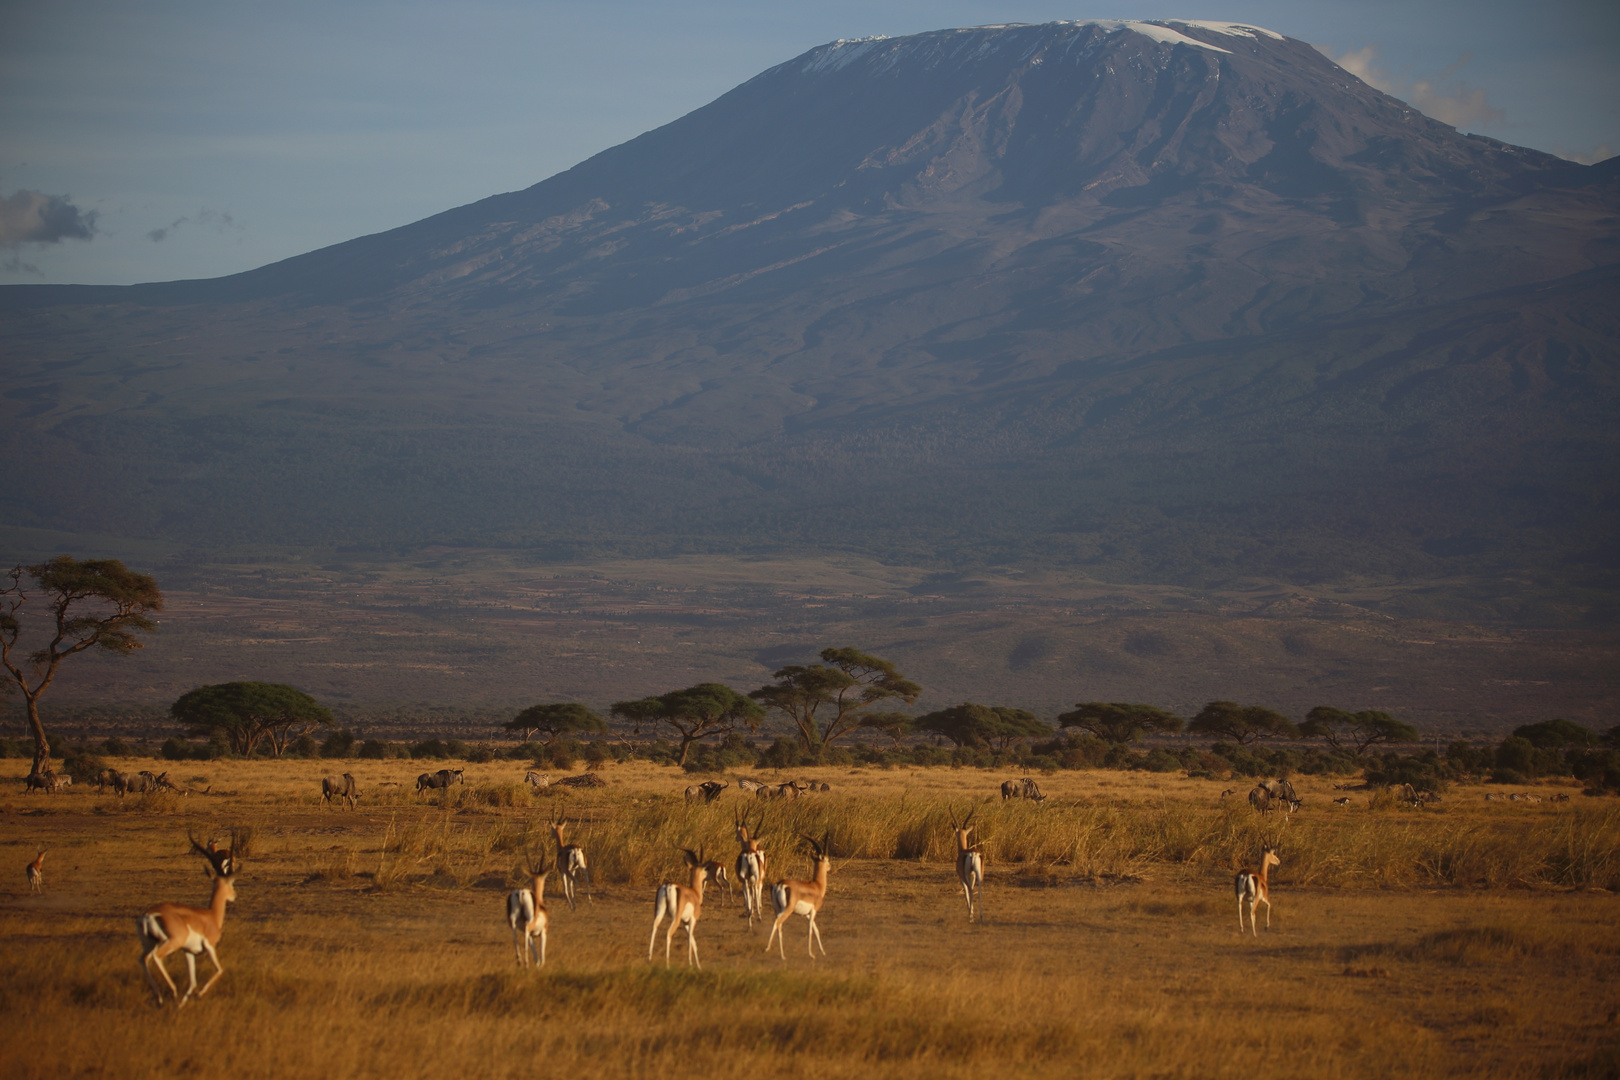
x=1241, y=723
x=1118, y=721
x=562, y=718
x=246, y=713
x=92, y=604
x=705, y=709
x=827, y=701
x=1356, y=731
x=968, y=724
x=896, y=725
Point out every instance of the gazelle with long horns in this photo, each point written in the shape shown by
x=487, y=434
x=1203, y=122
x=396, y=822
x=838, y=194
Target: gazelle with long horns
x=36, y=873
x=169, y=928
x=805, y=898
x=969, y=864
x=751, y=866
x=571, y=863
x=1254, y=888
x=526, y=912
x=684, y=906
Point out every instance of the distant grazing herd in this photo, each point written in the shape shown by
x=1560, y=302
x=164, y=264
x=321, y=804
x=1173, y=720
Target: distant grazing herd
x=168, y=928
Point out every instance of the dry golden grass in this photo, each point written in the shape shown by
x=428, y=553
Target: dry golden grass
x=1481, y=940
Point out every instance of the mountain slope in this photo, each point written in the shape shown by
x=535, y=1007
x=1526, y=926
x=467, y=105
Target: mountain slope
x=1173, y=299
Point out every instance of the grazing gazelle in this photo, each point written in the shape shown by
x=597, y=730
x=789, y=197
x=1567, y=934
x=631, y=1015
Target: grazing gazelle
x=36, y=873
x=1254, y=888
x=684, y=906
x=802, y=898
x=969, y=864
x=751, y=866
x=526, y=911
x=714, y=871
x=168, y=928
x=571, y=864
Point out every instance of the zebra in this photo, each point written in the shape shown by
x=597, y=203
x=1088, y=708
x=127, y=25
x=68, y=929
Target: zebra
x=539, y=781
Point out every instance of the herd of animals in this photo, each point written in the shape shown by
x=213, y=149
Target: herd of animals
x=167, y=928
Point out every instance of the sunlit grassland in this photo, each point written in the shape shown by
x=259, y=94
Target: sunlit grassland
x=1478, y=940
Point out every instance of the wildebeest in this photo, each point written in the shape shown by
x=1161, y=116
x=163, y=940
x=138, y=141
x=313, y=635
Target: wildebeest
x=340, y=789
x=1406, y=793
x=1260, y=798
x=1022, y=789
x=1281, y=789
x=440, y=780
x=141, y=782
x=708, y=791
x=40, y=781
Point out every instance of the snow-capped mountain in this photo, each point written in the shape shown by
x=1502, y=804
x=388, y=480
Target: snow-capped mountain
x=1175, y=298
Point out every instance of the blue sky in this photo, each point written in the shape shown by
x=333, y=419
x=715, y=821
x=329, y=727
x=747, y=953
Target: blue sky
x=176, y=138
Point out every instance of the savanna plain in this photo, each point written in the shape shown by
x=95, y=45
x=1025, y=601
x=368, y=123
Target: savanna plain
x=1464, y=939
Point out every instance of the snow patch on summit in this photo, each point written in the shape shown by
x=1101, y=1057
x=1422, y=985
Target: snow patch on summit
x=881, y=53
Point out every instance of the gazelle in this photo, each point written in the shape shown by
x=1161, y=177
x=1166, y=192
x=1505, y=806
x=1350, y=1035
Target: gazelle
x=714, y=871
x=969, y=864
x=684, y=906
x=751, y=867
x=526, y=912
x=1254, y=888
x=571, y=864
x=167, y=928
x=36, y=873
x=805, y=898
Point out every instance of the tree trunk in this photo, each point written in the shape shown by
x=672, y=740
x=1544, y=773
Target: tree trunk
x=686, y=741
x=42, y=745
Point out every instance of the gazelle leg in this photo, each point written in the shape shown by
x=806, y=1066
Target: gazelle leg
x=777, y=936
x=542, y=947
x=669, y=939
x=191, y=970
x=658, y=917
x=218, y=970
x=691, y=946
x=147, y=963
x=1267, y=902
x=816, y=930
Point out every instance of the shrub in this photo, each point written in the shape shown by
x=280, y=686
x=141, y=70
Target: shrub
x=430, y=748
x=781, y=754
x=116, y=747
x=82, y=766
x=176, y=749
x=339, y=744
x=479, y=755
x=304, y=746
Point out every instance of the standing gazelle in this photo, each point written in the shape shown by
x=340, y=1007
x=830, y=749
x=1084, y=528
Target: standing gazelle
x=571, y=864
x=751, y=867
x=969, y=865
x=36, y=873
x=1253, y=887
x=684, y=906
x=526, y=911
x=167, y=928
x=802, y=898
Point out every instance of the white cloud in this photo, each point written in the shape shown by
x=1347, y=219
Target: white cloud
x=1442, y=96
